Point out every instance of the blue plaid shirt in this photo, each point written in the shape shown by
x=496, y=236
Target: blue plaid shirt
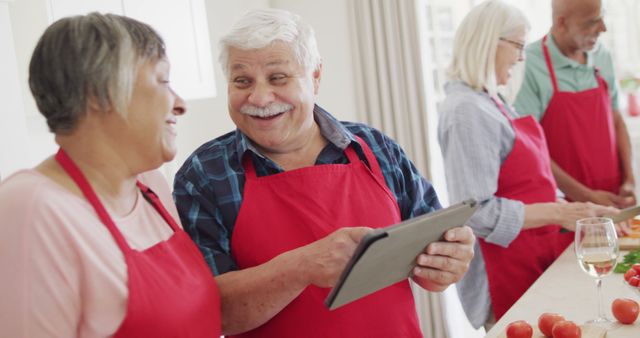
x=208, y=187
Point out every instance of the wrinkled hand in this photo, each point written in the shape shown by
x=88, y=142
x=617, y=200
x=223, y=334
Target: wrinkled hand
x=444, y=263
x=623, y=228
x=610, y=199
x=627, y=194
x=571, y=212
x=324, y=259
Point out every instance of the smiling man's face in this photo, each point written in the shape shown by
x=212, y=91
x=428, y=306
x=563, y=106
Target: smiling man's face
x=271, y=96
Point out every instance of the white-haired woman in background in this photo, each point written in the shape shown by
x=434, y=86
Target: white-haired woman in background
x=88, y=248
x=494, y=156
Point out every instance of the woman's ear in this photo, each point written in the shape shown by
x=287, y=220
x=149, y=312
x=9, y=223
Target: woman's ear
x=93, y=105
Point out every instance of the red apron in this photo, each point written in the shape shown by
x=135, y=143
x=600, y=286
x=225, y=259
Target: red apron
x=172, y=292
x=581, y=135
x=525, y=176
x=291, y=209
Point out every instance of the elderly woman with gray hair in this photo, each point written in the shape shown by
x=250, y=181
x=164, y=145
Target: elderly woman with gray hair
x=494, y=156
x=92, y=245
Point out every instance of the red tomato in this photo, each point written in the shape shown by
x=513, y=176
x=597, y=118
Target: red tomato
x=636, y=267
x=625, y=310
x=630, y=273
x=634, y=281
x=566, y=329
x=519, y=329
x=546, y=321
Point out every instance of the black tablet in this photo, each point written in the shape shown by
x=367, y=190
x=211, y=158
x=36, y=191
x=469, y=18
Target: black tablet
x=387, y=255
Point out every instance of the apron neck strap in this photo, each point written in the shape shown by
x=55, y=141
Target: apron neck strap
x=499, y=104
x=371, y=158
x=153, y=198
x=250, y=171
x=247, y=164
x=547, y=58
x=81, y=181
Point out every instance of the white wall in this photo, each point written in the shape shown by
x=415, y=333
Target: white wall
x=208, y=118
x=28, y=20
x=13, y=125
x=205, y=118
x=329, y=19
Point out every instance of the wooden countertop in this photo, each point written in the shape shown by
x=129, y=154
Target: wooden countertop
x=567, y=290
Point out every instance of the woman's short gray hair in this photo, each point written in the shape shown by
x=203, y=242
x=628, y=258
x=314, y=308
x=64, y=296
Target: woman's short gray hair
x=476, y=43
x=89, y=58
x=260, y=27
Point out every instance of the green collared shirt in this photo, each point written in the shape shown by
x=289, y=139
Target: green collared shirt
x=537, y=89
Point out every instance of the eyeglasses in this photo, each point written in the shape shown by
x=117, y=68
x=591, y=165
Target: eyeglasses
x=516, y=44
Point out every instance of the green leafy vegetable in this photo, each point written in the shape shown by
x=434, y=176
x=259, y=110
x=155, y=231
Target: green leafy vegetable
x=629, y=259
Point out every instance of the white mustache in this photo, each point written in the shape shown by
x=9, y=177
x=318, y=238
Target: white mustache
x=271, y=109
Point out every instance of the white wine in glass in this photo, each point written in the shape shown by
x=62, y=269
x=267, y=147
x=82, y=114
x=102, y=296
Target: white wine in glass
x=596, y=246
x=598, y=264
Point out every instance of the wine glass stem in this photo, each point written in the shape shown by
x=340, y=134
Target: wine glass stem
x=600, y=309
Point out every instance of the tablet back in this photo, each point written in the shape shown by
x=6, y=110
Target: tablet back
x=387, y=255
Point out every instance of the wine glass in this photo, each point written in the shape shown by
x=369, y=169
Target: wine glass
x=597, y=250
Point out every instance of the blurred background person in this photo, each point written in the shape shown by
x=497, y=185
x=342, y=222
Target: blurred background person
x=493, y=156
x=91, y=243
x=570, y=88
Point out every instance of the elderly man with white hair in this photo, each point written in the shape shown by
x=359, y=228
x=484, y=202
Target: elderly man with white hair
x=278, y=205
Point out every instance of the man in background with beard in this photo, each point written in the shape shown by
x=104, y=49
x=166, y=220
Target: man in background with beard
x=570, y=87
